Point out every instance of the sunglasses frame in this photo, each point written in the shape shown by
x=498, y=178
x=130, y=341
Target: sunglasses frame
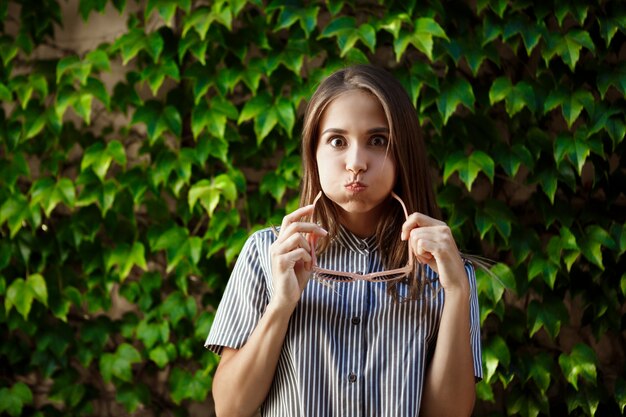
x=319, y=273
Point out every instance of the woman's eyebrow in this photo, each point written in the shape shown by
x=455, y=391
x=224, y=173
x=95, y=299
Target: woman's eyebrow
x=381, y=129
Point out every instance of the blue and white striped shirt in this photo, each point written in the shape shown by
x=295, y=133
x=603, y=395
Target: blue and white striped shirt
x=350, y=350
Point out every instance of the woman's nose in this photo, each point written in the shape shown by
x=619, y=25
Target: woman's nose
x=356, y=159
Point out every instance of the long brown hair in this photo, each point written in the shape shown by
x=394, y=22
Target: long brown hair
x=406, y=147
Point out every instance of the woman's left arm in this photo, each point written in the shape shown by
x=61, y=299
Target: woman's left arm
x=449, y=386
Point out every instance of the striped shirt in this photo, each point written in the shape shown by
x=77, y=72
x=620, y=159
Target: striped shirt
x=350, y=350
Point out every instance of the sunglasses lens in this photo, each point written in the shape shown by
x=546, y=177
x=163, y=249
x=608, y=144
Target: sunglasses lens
x=390, y=277
x=332, y=277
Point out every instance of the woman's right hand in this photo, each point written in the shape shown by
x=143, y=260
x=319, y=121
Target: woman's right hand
x=291, y=256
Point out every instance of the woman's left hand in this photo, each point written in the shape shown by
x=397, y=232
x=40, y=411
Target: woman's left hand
x=431, y=243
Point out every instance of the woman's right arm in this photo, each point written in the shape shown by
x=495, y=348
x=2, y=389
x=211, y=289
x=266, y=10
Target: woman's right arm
x=244, y=376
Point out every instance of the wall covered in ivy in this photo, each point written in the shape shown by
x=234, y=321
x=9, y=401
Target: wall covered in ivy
x=137, y=155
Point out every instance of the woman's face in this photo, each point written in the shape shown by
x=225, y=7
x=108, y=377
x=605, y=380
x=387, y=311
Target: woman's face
x=355, y=169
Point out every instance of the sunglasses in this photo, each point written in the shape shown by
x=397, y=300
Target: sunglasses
x=383, y=276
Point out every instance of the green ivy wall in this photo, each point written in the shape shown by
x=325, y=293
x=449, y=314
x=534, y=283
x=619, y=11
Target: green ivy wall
x=132, y=172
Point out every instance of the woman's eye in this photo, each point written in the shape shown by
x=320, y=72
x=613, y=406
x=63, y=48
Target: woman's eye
x=379, y=141
x=336, y=142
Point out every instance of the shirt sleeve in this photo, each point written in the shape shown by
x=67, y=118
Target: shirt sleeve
x=243, y=303
x=474, y=322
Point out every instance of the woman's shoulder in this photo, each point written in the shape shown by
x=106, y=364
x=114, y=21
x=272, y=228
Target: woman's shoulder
x=262, y=238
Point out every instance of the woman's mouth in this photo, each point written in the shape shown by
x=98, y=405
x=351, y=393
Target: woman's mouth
x=355, y=186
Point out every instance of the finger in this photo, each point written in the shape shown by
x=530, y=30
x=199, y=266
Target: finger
x=290, y=243
x=288, y=260
x=304, y=227
x=421, y=254
x=416, y=220
x=296, y=215
x=440, y=235
x=301, y=229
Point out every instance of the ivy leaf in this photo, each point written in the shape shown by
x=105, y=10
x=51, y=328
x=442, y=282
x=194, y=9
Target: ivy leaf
x=392, y=22
x=48, y=193
x=132, y=396
x=98, y=60
x=99, y=158
x=616, y=78
x=290, y=15
x=274, y=184
x=19, y=295
x=571, y=104
x=575, y=147
x=345, y=31
x=540, y=371
x=549, y=314
x=14, y=211
x=130, y=44
x=522, y=405
x=567, y=46
x=494, y=214
x=546, y=268
x=214, y=117
x=119, y=364
x=184, y=385
x=610, y=24
x=163, y=354
x=209, y=192
x=154, y=45
x=155, y=74
x=8, y=50
x=264, y=123
x=620, y=394
x=86, y=6
x=580, y=363
x=254, y=107
x=458, y=92
x=586, y=399
x=616, y=129
x=425, y=29
x=531, y=32
x=469, y=166
x=484, y=392
x=200, y=20
x=13, y=400
x=511, y=158
x=74, y=67
x=38, y=287
x=286, y=114
x=492, y=284
x=578, y=10
x=158, y=119
x=516, y=96
x=103, y=194
x=591, y=244
x=548, y=180
x=151, y=333
x=125, y=257
x=495, y=353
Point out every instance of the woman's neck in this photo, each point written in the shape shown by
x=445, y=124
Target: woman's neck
x=362, y=225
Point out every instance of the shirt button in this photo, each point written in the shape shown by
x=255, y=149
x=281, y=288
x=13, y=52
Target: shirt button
x=356, y=320
x=352, y=377
x=362, y=246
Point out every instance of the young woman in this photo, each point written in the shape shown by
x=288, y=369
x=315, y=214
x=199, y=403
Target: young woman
x=353, y=308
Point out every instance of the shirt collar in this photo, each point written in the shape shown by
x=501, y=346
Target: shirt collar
x=354, y=243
